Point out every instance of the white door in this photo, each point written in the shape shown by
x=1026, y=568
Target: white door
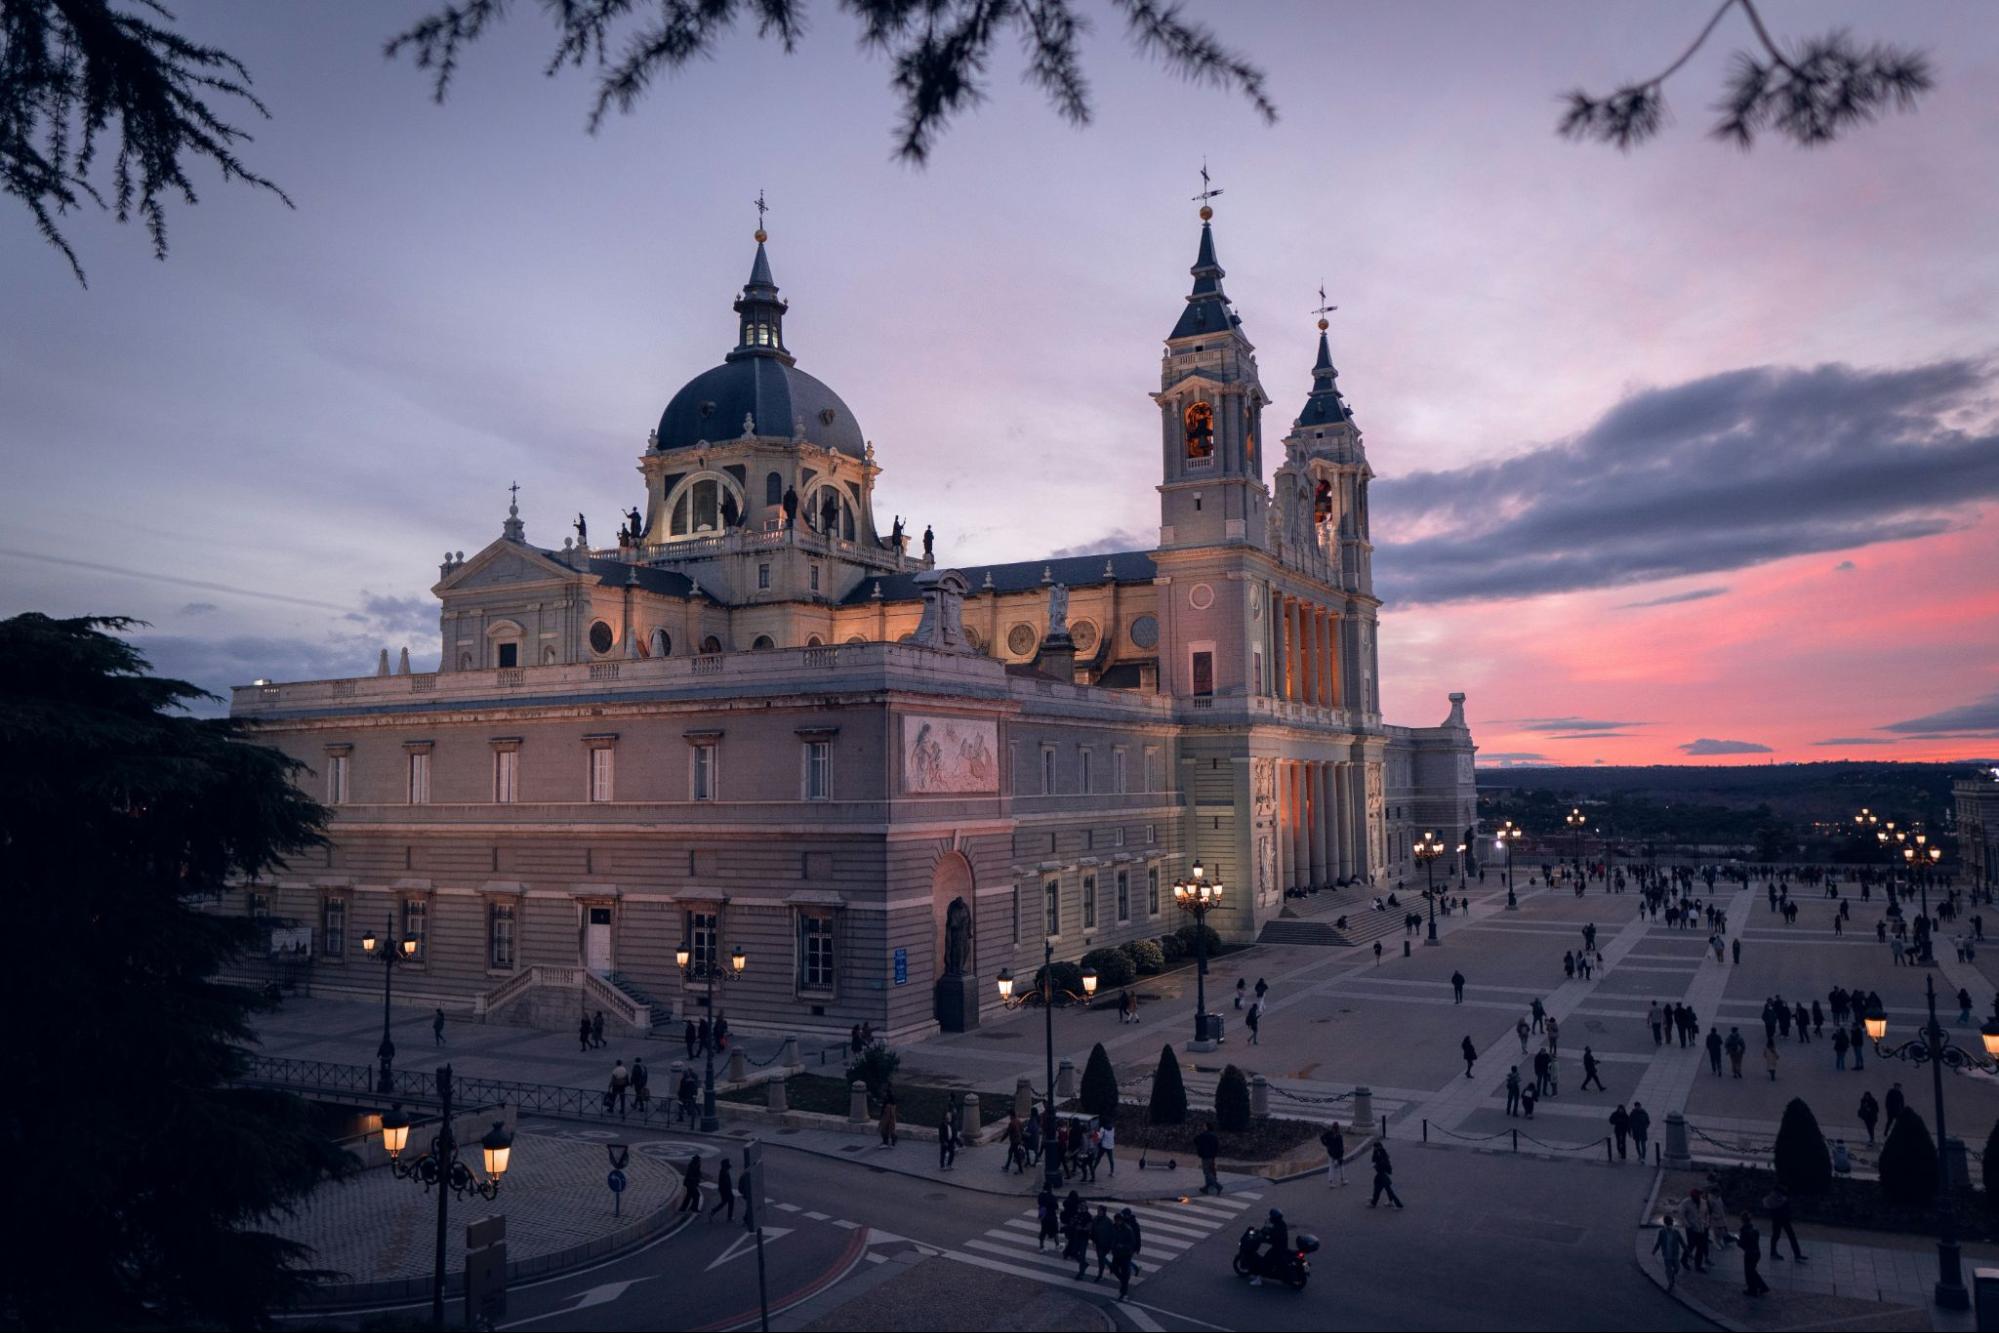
x=597, y=941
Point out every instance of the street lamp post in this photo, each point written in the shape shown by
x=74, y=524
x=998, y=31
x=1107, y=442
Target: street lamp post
x=1463, y=847
x=442, y=1167
x=1195, y=895
x=1920, y=859
x=1575, y=819
x=1051, y=1156
x=392, y=952
x=710, y=1121
x=1509, y=833
x=1935, y=1048
x=1427, y=849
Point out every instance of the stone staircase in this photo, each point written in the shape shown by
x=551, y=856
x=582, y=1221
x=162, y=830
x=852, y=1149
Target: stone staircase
x=660, y=1010
x=1302, y=931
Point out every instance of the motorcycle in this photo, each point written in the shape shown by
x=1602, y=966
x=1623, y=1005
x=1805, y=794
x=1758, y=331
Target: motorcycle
x=1290, y=1267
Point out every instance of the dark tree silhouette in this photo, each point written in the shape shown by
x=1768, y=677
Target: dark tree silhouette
x=69, y=69
x=1099, y=1093
x=1812, y=94
x=939, y=51
x=144, y=1179
x=1168, y=1105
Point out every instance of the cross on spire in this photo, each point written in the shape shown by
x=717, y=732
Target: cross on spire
x=1323, y=309
x=514, y=491
x=762, y=208
x=1208, y=189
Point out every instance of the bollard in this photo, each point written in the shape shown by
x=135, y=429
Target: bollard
x=1023, y=1099
x=775, y=1088
x=1065, y=1079
x=1259, y=1095
x=1363, y=1110
x=1426, y=1129
x=787, y=1054
x=1405, y=948
x=1606, y=1149
x=857, y=1103
x=968, y=1117
x=1678, y=1154
x=1960, y=1161
x=737, y=1068
x=1384, y=1124
x=1985, y=1289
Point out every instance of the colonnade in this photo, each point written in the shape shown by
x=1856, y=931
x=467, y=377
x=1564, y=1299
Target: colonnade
x=1320, y=822
x=1307, y=668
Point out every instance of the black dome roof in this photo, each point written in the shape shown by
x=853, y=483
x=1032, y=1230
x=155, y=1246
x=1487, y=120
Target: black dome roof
x=778, y=397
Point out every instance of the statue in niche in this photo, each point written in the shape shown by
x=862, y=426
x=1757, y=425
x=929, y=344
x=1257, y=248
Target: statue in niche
x=790, y=507
x=582, y=532
x=1199, y=423
x=957, y=938
x=1058, y=610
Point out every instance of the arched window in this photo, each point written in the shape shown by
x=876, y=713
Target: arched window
x=763, y=644
x=711, y=644
x=662, y=643
x=814, y=641
x=703, y=504
x=548, y=655
x=773, y=490
x=830, y=510
x=1200, y=429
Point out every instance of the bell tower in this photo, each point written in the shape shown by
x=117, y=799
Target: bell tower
x=1210, y=415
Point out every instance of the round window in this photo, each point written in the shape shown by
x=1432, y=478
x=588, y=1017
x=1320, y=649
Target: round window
x=1200, y=596
x=1145, y=632
x=1020, y=640
x=1084, y=635
x=601, y=638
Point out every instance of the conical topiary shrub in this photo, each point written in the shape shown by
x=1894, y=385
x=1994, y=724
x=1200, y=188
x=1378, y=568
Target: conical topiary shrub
x=1099, y=1095
x=1804, y=1163
x=1169, y=1093
x=1909, y=1161
x=1232, y=1101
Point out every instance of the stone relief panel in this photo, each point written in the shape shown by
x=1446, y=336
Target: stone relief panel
x=944, y=755
x=1377, y=847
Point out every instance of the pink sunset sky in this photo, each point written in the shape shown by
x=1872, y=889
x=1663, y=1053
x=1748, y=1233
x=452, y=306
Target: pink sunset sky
x=1683, y=455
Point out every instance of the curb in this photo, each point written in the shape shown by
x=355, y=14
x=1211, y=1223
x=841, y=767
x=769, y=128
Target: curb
x=1639, y=1257
x=348, y=1295
x=950, y=1178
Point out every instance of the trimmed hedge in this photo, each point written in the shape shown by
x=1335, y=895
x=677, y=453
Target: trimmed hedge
x=1114, y=969
x=1099, y=1092
x=1169, y=1092
x=1146, y=957
x=1909, y=1161
x=1804, y=1163
x=1232, y=1101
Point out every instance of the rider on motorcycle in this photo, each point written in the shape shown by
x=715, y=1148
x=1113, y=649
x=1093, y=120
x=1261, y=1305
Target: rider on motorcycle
x=1277, y=1244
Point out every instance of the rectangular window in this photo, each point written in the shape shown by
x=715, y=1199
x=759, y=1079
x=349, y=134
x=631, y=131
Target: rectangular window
x=333, y=927
x=700, y=942
x=1052, y=906
x=815, y=578
x=510, y=655
x=1204, y=674
x=1089, y=902
x=1256, y=668
x=420, y=777
x=763, y=577
x=1047, y=770
x=1083, y=773
x=1117, y=772
x=1124, y=895
x=416, y=924
x=1152, y=766
x=602, y=761
x=500, y=935
x=506, y=776
x=703, y=785
x=336, y=779
x=815, y=951
x=260, y=906
x=818, y=770
x=1016, y=914
x=1152, y=891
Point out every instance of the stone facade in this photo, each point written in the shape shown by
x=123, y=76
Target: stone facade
x=760, y=722
x=1977, y=817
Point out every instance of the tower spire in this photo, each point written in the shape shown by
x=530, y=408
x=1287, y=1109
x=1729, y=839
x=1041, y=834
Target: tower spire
x=1324, y=406
x=1207, y=309
x=760, y=314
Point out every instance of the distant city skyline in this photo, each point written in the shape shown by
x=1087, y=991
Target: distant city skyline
x=1684, y=455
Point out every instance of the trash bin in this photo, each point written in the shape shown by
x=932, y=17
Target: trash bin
x=1215, y=1027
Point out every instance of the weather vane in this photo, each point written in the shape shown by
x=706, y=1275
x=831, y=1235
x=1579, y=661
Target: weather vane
x=762, y=208
x=1208, y=190
x=1323, y=309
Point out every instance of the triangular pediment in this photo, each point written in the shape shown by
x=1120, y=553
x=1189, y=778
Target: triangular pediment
x=505, y=563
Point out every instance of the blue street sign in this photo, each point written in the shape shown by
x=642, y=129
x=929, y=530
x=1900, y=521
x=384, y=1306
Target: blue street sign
x=902, y=967
x=616, y=1180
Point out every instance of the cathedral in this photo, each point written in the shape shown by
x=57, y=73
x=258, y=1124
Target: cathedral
x=758, y=721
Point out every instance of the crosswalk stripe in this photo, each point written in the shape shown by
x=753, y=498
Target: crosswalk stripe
x=1044, y=1258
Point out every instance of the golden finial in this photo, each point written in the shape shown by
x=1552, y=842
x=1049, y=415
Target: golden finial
x=1323, y=309
x=1206, y=212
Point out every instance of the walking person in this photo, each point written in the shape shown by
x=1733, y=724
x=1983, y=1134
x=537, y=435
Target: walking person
x=620, y=1080
x=1242, y=985
x=1591, y=1073
x=1044, y=1209
x=1384, y=1171
x=1870, y=1113
x=725, y=1193
x=690, y=1087
x=887, y=1122
x=1839, y=1045
x=1457, y=988
x=641, y=1086
x=693, y=1037
x=1335, y=1144
x=1107, y=1147
x=1778, y=1205
x=1737, y=1048
x=1124, y=1245
x=437, y=1025
x=1620, y=1126
x=1770, y=1060
x=597, y=1030
x=1669, y=1245
x=1641, y=1125
x=1750, y=1242
x=1714, y=1050
x=1540, y=1013
x=1208, y=1147
x=1470, y=1053
x=690, y=1181
x=1254, y=1019
x=1513, y=1091
x=947, y=1137
x=583, y=1033
x=1520, y=1030
x=1102, y=1235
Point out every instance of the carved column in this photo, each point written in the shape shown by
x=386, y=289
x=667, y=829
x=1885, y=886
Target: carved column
x=1316, y=787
